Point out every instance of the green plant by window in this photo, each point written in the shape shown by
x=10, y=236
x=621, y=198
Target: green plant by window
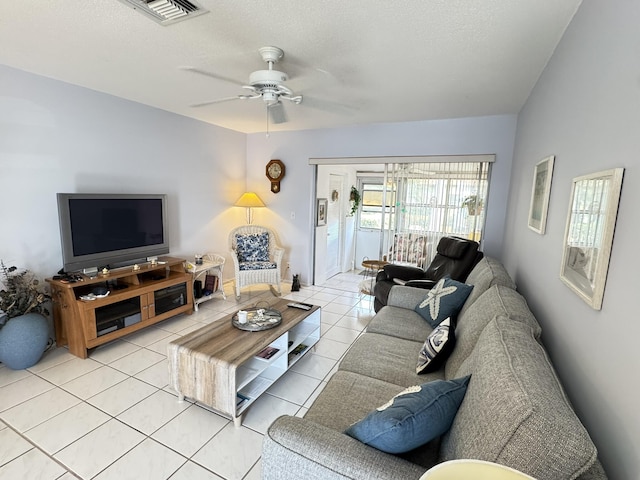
x=474, y=204
x=354, y=198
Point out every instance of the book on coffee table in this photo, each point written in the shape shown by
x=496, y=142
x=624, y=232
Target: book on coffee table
x=297, y=351
x=267, y=352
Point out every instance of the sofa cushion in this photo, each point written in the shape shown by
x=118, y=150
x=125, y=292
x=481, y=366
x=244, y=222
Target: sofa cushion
x=412, y=418
x=362, y=394
x=401, y=323
x=253, y=247
x=485, y=274
x=444, y=300
x=515, y=411
x=437, y=347
x=389, y=359
x=405, y=297
x=347, y=398
x=498, y=300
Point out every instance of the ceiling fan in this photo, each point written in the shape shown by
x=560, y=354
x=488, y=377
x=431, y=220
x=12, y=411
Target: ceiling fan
x=265, y=84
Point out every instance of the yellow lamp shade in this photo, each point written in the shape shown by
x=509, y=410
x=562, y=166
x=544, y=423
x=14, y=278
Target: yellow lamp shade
x=249, y=200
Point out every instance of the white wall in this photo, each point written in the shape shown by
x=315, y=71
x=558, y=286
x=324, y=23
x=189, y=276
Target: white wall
x=482, y=135
x=585, y=109
x=55, y=137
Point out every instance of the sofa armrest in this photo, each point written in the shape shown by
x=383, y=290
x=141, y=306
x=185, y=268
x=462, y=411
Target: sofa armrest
x=403, y=272
x=424, y=284
x=405, y=297
x=293, y=445
x=278, y=253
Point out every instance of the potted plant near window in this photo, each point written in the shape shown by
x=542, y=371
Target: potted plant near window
x=354, y=199
x=474, y=204
x=24, y=331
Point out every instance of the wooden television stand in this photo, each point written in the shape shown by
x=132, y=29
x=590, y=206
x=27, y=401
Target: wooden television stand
x=137, y=299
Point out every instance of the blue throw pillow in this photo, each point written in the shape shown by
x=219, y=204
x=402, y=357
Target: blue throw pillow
x=444, y=300
x=437, y=347
x=253, y=247
x=413, y=417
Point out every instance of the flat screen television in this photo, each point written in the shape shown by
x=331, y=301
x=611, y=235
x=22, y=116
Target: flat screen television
x=111, y=230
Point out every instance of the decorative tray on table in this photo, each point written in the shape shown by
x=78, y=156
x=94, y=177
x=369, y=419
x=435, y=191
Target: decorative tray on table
x=258, y=319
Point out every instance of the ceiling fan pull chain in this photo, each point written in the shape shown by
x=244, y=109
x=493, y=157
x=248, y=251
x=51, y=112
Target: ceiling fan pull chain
x=267, y=110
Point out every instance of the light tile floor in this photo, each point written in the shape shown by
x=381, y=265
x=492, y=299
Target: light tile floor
x=113, y=415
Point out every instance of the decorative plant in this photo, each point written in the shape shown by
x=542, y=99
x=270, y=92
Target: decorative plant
x=354, y=198
x=21, y=294
x=474, y=204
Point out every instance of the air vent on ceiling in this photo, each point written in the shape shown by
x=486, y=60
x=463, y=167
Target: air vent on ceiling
x=166, y=12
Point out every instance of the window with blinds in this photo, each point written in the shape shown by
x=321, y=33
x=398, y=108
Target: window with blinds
x=419, y=203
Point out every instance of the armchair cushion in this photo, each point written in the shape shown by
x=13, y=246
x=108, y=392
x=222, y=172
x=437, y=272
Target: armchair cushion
x=256, y=265
x=252, y=247
x=444, y=300
x=453, y=247
x=413, y=417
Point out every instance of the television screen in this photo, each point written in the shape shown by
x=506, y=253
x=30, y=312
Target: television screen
x=99, y=230
x=103, y=225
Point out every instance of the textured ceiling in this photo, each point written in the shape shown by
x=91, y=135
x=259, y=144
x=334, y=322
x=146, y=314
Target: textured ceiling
x=355, y=61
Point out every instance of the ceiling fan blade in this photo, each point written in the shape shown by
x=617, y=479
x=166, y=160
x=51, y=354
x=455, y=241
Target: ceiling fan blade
x=211, y=75
x=277, y=113
x=220, y=100
x=330, y=106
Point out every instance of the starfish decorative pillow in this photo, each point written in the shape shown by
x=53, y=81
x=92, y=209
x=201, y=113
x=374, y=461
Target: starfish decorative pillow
x=444, y=300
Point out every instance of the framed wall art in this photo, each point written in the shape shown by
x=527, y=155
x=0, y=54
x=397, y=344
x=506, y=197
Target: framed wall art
x=588, y=235
x=540, y=195
x=321, y=212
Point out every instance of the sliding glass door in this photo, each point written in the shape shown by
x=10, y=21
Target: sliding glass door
x=413, y=205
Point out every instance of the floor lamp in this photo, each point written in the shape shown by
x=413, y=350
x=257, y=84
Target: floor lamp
x=249, y=200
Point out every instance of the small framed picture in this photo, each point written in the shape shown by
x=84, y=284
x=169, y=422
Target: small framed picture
x=588, y=236
x=321, y=212
x=540, y=195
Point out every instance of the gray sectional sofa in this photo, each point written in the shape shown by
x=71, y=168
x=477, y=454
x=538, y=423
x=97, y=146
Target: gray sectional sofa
x=515, y=411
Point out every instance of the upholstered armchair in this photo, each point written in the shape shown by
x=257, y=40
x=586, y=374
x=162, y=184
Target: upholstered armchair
x=257, y=257
x=455, y=258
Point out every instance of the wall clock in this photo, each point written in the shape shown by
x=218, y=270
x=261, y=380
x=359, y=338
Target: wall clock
x=275, y=172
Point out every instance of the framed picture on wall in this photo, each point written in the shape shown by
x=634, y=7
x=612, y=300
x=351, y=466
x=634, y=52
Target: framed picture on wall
x=321, y=212
x=588, y=236
x=540, y=194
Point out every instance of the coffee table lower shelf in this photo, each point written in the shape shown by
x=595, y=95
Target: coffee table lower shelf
x=222, y=367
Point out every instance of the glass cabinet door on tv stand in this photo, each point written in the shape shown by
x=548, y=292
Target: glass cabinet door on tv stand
x=212, y=264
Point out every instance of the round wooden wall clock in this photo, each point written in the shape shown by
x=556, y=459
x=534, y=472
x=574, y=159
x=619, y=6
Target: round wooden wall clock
x=275, y=172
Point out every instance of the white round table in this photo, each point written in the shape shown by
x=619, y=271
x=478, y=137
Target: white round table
x=473, y=470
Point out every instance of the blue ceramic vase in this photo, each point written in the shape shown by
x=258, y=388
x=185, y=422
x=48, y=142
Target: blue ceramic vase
x=23, y=340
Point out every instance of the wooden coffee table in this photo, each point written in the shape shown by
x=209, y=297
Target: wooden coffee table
x=219, y=365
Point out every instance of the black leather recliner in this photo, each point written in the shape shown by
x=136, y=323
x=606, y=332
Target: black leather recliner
x=455, y=258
